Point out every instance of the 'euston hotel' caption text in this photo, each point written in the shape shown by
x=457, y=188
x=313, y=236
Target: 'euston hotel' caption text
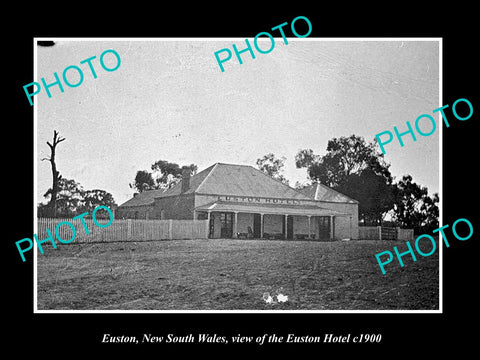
x=240, y=339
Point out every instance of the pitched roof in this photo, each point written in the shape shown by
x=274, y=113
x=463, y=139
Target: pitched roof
x=225, y=179
x=236, y=180
x=241, y=180
x=143, y=198
x=322, y=192
x=195, y=181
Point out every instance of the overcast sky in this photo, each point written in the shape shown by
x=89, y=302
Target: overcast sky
x=169, y=100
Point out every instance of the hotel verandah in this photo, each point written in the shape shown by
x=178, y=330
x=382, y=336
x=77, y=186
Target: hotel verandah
x=241, y=201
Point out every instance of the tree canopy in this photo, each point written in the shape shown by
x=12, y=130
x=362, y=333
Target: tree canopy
x=143, y=181
x=345, y=156
x=355, y=168
x=73, y=200
x=272, y=166
x=168, y=174
x=164, y=176
x=413, y=207
x=358, y=169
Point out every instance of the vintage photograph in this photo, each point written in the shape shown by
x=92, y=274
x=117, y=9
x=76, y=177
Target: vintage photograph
x=169, y=183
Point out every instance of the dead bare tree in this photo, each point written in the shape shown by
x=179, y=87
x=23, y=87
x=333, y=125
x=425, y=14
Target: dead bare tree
x=56, y=175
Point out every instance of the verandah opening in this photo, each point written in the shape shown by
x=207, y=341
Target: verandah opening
x=268, y=226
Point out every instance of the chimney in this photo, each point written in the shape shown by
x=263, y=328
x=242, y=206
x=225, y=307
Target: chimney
x=185, y=180
x=135, y=194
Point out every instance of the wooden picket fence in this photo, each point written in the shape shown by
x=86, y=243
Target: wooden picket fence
x=384, y=233
x=122, y=230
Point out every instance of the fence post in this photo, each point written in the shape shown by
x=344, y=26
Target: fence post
x=129, y=229
x=379, y=232
x=170, y=229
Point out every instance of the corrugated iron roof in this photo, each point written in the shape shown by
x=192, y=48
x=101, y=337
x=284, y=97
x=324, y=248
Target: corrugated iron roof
x=241, y=180
x=322, y=192
x=148, y=197
x=236, y=180
x=245, y=180
x=143, y=198
x=195, y=181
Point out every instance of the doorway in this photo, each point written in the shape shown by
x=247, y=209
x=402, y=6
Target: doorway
x=226, y=228
x=289, y=227
x=257, y=226
x=324, y=228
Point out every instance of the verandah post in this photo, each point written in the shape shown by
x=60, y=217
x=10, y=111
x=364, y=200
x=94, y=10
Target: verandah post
x=235, y=224
x=331, y=228
x=261, y=225
x=309, y=230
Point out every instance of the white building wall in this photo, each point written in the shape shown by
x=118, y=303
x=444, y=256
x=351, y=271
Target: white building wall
x=345, y=226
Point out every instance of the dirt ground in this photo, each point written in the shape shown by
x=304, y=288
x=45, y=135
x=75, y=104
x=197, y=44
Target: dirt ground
x=234, y=275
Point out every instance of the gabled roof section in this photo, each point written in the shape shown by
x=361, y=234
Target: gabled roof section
x=245, y=180
x=148, y=197
x=195, y=181
x=322, y=192
x=241, y=180
x=143, y=198
x=236, y=180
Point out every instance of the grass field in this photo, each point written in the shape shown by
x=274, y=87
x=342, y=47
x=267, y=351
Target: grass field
x=233, y=275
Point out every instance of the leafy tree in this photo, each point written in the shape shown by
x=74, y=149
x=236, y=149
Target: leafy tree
x=430, y=208
x=305, y=158
x=164, y=176
x=69, y=197
x=168, y=174
x=273, y=167
x=97, y=197
x=143, y=181
x=73, y=200
x=413, y=207
x=345, y=156
x=355, y=168
x=43, y=210
x=373, y=192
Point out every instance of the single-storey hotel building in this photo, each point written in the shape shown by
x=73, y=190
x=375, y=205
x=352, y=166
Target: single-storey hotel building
x=240, y=201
